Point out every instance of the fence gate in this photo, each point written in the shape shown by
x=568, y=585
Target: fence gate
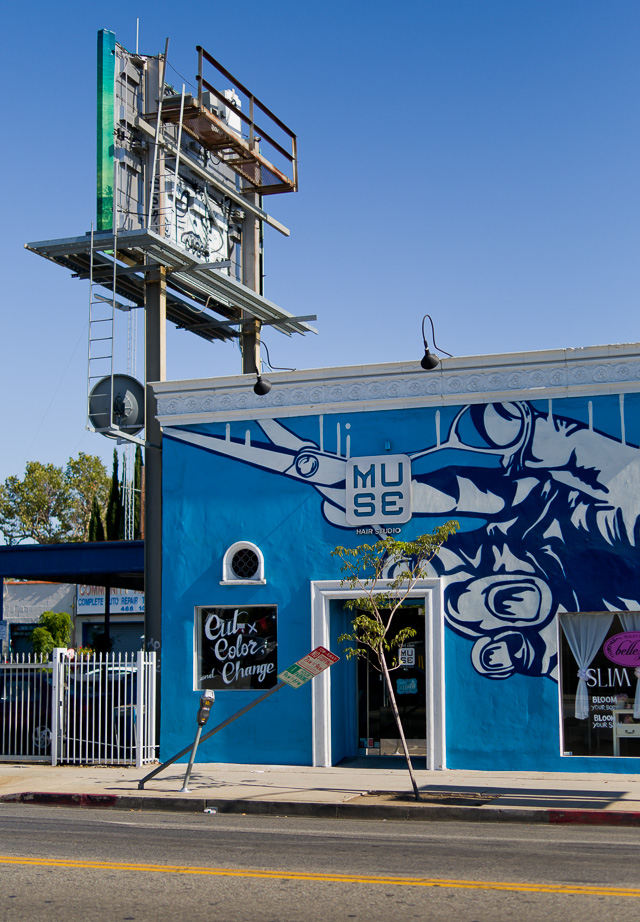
x=97, y=709
x=25, y=708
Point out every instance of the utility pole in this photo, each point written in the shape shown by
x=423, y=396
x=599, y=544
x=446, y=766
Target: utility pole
x=155, y=316
x=252, y=278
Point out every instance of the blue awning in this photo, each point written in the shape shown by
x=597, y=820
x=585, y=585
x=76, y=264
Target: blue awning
x=116, y=563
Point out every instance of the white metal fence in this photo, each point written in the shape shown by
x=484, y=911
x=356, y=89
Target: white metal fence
x=85, y=710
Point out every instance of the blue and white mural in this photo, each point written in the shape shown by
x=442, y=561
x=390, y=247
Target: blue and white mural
x=548, y=503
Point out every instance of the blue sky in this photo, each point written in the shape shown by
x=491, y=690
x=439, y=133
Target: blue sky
x=474, y=159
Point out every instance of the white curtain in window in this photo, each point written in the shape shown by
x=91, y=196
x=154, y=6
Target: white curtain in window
x=631, y=622
x=585, y=635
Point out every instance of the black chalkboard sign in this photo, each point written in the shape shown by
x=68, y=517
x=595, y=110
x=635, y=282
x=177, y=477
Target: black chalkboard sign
x=237, y=647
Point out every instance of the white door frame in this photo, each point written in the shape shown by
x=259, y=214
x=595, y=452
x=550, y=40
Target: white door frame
x=430, y=594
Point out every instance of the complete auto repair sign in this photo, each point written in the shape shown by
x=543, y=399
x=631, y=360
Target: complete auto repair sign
x=90, y=601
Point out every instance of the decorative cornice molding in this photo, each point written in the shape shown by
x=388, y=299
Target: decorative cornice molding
x=529, y=376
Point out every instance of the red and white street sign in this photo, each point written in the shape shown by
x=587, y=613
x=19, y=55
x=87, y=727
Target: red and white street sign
x=308, y=667
x=318, y=660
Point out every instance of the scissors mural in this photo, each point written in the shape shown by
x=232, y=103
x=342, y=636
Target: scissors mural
x=549, y=508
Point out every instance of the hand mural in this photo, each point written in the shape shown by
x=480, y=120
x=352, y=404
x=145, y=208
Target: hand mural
x=549, y=509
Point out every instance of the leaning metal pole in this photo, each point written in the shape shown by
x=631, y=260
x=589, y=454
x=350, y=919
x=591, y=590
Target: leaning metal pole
x=225, y=723
x=206, y=702
x=194, y=749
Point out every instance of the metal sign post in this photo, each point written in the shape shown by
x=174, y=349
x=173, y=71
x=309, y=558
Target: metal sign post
x=203, y=716
x=295, y=675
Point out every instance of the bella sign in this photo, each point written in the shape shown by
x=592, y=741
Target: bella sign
x=623, y=649
x=379, y=490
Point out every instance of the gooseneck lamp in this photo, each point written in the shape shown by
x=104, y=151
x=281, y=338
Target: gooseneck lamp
x=430, y=361
x=262, y=386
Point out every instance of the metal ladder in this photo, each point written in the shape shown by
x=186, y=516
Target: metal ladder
x=102, y=311
x=101, y=329
x=128, y=461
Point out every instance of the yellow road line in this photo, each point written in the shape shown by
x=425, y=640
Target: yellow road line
x=565, y=889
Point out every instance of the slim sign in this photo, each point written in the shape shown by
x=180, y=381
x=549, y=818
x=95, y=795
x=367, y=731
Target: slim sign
x=238, y=647
x=379, y=490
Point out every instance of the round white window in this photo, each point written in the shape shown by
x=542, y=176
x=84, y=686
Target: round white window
x=243, y=563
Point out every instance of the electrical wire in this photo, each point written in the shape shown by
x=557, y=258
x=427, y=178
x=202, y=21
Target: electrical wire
x=55, y=393
x=273, y=367
x=181, y=75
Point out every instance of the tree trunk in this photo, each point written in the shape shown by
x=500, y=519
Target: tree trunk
x=396, y=714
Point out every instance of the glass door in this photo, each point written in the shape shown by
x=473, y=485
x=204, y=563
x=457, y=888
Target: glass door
x=377, y=730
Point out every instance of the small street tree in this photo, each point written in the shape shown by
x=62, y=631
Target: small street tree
x=384, y=574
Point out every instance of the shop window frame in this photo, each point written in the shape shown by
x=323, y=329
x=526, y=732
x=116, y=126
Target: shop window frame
x=604, y=701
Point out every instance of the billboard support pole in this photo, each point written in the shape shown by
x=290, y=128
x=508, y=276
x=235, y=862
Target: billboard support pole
x=155, y=370
x=252, y=278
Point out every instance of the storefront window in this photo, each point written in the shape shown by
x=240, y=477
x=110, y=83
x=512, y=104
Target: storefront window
x=237, y=647
x=600, y=677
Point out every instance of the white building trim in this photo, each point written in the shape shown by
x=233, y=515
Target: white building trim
x=430, y=593
x=551, y=374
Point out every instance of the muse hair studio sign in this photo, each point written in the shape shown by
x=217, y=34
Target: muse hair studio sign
x=378, y=489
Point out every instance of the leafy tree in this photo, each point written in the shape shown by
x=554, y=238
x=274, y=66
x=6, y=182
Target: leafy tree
x=115, y=513
x=52, y=504
x=385, y=573
x=35, y=507
x=54, y=630
x=138, y=476
x=87, y=481
x=96, y=528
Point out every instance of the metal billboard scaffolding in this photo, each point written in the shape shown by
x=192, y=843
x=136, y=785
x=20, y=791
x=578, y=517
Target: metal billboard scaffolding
x=201, y=298
x=179, y=232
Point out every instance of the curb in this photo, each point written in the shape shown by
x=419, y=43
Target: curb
x=426, y=813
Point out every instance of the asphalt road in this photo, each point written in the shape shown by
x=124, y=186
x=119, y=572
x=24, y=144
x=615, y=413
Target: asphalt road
x=78, y=864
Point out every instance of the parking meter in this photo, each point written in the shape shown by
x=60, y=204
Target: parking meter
x=206, y=701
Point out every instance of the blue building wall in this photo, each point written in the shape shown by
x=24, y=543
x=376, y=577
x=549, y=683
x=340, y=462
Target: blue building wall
x=548, y=499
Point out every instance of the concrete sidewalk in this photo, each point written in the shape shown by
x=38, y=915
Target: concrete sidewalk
x=353, y=789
